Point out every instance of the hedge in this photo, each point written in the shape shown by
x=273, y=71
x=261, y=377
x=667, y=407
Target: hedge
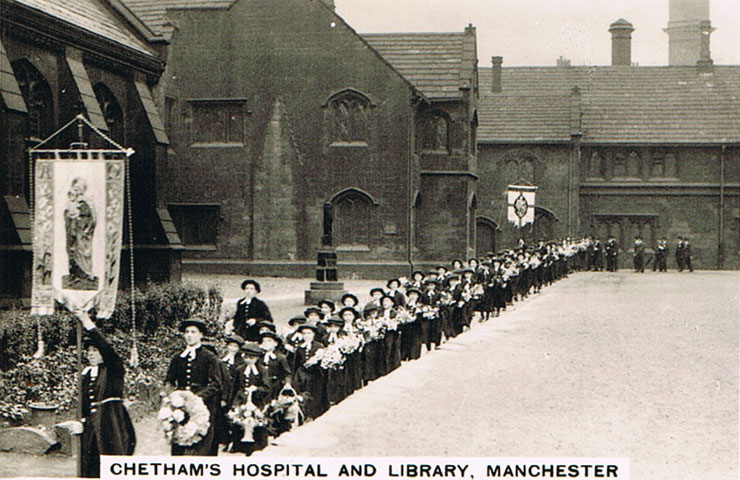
x=51, y=379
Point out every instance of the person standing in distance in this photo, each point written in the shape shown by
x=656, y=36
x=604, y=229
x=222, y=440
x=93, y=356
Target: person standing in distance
x=249, y=311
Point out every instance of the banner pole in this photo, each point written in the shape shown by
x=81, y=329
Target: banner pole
x=77, y=439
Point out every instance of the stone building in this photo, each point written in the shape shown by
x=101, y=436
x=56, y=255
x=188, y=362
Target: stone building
x=275, y=108
x=59, y=58
x=621, y=150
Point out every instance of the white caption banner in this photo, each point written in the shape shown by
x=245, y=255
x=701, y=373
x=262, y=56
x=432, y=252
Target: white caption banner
x=387, y=468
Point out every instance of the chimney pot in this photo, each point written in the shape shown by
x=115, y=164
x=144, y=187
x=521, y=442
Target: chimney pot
x=621, y=31
x=496, y=74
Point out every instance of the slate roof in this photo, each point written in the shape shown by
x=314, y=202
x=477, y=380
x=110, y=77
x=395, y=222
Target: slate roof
x=92, y=16
x=153, y=12
x=619, y=104
x=432, y=62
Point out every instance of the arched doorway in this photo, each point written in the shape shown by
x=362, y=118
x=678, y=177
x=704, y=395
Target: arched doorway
x=485, y=240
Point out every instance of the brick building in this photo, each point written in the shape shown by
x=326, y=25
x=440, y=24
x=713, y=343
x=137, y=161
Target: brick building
x=275, y=108
x=618, y=149
x=59, y=58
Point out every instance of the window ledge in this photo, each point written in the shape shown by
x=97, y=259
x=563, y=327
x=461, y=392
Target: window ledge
x=357, y=144
x=353, y=248
x=217, y=145
x=200, y=248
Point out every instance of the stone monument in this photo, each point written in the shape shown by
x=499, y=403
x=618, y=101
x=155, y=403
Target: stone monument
x=326, y=285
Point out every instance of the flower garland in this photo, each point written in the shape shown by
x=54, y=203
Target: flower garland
x=184, y=418
x=288, y=406
x=248, y=416
x=330, y=357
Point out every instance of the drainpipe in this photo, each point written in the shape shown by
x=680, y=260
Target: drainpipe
x=721, y=243
x=409, y=183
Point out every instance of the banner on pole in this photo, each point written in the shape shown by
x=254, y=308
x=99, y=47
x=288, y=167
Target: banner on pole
x=521, y=202
x=78, y=217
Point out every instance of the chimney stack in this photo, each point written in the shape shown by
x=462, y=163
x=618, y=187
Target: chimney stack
x=496, y=74
x=621, y=31
x=705, y=62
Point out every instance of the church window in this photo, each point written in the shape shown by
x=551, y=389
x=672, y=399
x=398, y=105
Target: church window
x=112, y=112
x=348, y=117
x=218, y=121
x=39, y=100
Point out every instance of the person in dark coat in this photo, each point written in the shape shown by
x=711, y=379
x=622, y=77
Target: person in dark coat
x=679, y=253
x=279, y=372
x=639, y=255
x=309, y=381
x=106, y=425
x=249, y=311
x=197, y=370
x=687, y=254
x=230, y=363
x=250, y=384
x=661, y=255
x=611, y=251
x=393, y=291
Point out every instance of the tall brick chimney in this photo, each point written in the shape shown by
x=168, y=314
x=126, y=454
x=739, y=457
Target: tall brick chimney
x=621, y=31
x=496, y=74
x=685, y=32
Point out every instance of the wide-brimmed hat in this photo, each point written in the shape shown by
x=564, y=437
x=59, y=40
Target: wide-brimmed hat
x=349, y=295
x=235, y=339
x=271, y=334
x=298, y=320
x=307, y=326
x=252, y=349
x=326, y=301
x=311, y=310
x=349, y=309
x=377, y=289
x=195, y=322
x=249, y=281
x=388, y=283
x=414, y=290
x=417, y=272
x=388, y=296
x=335, y=321
x=266, y=324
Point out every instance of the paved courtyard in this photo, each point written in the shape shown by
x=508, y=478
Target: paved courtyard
x=621, y=365
x=599, y=364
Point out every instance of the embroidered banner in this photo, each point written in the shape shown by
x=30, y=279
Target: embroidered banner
x=520, y=200
x=77, y=234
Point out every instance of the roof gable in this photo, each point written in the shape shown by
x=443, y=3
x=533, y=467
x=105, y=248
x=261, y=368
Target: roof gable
x=433, y=62
x=154, y=12
x=622, y=104
x=93, y=16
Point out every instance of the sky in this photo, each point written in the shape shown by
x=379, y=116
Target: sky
x=537, y=32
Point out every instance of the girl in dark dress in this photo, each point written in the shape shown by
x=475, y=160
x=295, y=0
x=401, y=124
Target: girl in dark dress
x=250, y=384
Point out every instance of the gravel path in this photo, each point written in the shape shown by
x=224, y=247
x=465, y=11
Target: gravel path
x=619, y=365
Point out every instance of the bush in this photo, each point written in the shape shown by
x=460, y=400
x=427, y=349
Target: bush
x=52, y=379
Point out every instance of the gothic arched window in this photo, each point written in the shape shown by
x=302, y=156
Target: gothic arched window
x=37, y=95
x=433, y=131
x=348, y=117
x=112, y=111
x=352, y=217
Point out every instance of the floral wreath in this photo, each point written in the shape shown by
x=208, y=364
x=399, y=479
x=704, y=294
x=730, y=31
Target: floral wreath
x=184, y=418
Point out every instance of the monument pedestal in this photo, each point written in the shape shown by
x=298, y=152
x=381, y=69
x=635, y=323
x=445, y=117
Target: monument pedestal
x=326, y=286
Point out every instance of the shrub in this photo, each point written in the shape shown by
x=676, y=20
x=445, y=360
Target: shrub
x=52, y=379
